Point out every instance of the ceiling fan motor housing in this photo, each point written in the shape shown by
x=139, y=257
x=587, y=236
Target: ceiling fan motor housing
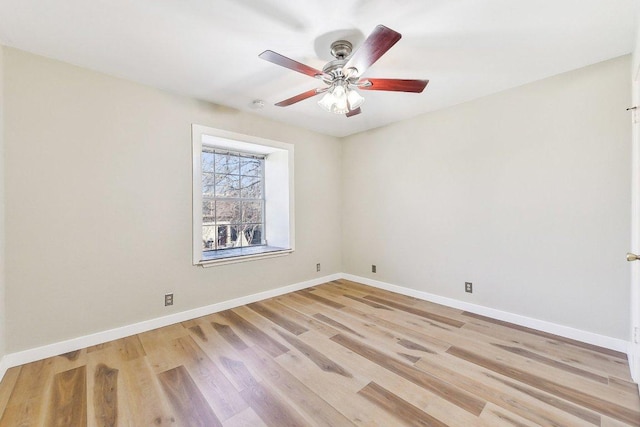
x=341, y=49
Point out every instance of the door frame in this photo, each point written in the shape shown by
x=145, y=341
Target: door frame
x=634, y=344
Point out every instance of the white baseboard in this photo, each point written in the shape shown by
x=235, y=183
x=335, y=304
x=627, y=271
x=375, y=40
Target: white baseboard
x=634, y=361
x=541, y=325
x=3, y=366
x=38, y=353
x=50, y=350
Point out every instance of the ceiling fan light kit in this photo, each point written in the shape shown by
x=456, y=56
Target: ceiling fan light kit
x=342, y=75
x=340, y=99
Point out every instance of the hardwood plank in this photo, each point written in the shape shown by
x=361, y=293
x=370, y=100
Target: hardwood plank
x=154, y=340
x=393, y=323
x=219, y=351
x=322, y=413
x=473, y=380
x=590, y=347
x=625, y=386
x=105, y=396
x=336, y=324
x=556, y=375
x=367, y=302
x=248, y=417
x=610, y=422
x=594, y=403
x=465, y=338
x=99, y=347
x=297, y=300
x=219, y=392
x=424, y=305
x=227, y=333
x=130, y=348
x=576, y=356
x=271, y=346
x=271, y=410
x=72, y=355
x=524, y=401
x=266, y=404
x=375, y=335
x=68, y=406
x=554, y=363
x=68, y=361
x=411, y=358
x=319, y=359
x=188, y=402
x=197, y=331
x=402, y=409
x=147, y=403
x=30, y=395
x=100, y=406
x=418, y=312
x=494, y=415
x=287, y=308
x=547, y=372
x=6, y=386
x=278, y=319
x=241, y=375
x=160, y=354
x=340, y=392
x=368, y=290
x=414, y=346
x=552, y=400
x=321, y=300
x=436, y=386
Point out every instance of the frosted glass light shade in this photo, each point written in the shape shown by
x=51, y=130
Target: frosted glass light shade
x=340, y=100
x=355, y=99
x=340, y=104
x=326, y=102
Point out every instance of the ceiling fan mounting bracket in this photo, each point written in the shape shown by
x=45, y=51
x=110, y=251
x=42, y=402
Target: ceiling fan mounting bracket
x=341, y=49
x=335, y=70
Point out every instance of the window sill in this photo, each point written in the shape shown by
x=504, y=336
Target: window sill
x=233, y=256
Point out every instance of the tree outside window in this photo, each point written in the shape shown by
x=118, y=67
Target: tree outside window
x=232, y=200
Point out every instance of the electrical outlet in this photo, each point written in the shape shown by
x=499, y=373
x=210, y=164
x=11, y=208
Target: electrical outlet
x=468, y=287
x=318, y=267
x=168, y=299
x=373, y=268
x=636, y=335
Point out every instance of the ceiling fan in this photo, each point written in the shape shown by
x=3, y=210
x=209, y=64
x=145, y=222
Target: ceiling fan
x=343, y=75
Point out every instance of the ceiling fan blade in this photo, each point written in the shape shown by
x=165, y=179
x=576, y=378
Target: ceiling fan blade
x=283, y=61
x=353, y=112
x=396, y=85
x=376, y=45
x=300, y=97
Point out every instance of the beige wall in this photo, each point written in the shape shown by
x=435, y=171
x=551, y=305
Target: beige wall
x=525, y=193
x=98, y=203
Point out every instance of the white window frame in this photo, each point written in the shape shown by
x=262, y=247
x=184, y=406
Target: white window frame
x=279, y=178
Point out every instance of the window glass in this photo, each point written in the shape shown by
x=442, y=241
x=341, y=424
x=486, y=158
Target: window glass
x=232, y=200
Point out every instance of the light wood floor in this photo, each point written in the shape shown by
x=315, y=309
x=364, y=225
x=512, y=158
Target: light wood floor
x=338, y=354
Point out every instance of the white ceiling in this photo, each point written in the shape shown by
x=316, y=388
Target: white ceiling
x=209, y=49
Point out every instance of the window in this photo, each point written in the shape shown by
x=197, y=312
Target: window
x=232, y=200
x=242, y=197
